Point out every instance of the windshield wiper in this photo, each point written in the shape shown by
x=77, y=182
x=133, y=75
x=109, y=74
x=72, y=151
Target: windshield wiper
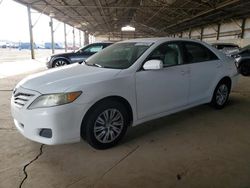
x=97, y=65
x=94, y=64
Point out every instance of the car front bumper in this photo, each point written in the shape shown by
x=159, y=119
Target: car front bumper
x=63, y=122
x=49, y=64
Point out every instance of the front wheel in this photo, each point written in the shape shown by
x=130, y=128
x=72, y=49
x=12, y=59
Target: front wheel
x=221, y=94
x=106, y=124
x=59, y=63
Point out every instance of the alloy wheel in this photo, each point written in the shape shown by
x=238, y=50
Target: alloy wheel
x=222, y=94
x=108, y=125
x=60, y=63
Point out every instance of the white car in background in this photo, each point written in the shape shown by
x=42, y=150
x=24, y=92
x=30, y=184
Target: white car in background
x=124, y=85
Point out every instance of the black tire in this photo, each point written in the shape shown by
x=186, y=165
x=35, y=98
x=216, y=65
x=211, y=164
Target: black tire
x=221, y=94
x=59, y=63
x=244, y=68
x=90, y=128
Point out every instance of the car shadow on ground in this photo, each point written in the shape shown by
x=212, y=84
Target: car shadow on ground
x=165, y=124
x=172, y=122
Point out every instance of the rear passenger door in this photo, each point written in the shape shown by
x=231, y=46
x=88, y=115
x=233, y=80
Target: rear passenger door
x=204, y=69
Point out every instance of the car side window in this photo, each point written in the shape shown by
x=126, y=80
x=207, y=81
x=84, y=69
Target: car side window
x=169, y=54
x=94, y=48
x=195, y=53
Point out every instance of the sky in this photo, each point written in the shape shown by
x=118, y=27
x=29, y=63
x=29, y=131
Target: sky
x=14, y=25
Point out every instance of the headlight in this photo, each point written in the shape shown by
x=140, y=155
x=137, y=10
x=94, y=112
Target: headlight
x=50, y=100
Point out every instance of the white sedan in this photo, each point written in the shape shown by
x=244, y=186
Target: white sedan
x=124, y=85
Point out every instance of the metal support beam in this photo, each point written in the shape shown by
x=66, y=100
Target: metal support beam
x=52, y=35
x=74, y=38
x=202, y=30
x=65, y=38
x=218, y=32
x=31, y=34
x=243, y=28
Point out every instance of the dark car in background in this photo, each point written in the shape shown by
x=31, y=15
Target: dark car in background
x=80, y=55
x=243, y=60
x=227, y=48
x=241, y=55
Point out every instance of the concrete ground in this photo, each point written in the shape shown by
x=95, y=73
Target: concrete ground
x=10, y=54
x=200, y=147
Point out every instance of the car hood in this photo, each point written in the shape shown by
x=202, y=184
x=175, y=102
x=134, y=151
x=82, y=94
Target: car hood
x=66, y=78
x=63, y=54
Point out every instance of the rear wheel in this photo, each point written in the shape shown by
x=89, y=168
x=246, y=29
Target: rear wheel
x=221, y=94
x=106, y=124
x=59, y=63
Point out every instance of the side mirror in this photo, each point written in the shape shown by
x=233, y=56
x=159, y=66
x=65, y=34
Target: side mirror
x=153, y=64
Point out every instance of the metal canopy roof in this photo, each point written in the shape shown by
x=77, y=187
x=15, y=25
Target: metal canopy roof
x=149, y=17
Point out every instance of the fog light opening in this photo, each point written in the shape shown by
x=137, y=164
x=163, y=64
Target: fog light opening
x=47, y=133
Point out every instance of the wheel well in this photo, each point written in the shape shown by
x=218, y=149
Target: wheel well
x=228, y=80
x=113, y=98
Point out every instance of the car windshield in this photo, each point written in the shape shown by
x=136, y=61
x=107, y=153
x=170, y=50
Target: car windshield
x=80, y=49
x=119, y=55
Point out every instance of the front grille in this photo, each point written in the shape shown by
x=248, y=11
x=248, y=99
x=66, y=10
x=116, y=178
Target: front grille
x=20, y=99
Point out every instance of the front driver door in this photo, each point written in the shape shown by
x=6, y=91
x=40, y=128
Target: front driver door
x=166, y=89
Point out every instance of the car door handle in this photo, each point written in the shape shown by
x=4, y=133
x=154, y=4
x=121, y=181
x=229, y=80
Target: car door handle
x=219, y=64
x=183, y=72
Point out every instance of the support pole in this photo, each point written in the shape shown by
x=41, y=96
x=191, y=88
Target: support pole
x=83, y=40
x=109, y=37
x=31, y=33
x=243, y=28
x=52, y=35
x=86, y=38
x=190, y=32
x=65, y=38
x=121, y=35
x=74, y=39
x=218, y=32
x=80, y=38
x=202, y=30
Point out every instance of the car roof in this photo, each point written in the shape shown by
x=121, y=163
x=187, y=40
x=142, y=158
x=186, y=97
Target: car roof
x=160, y=39
x=103, y=42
